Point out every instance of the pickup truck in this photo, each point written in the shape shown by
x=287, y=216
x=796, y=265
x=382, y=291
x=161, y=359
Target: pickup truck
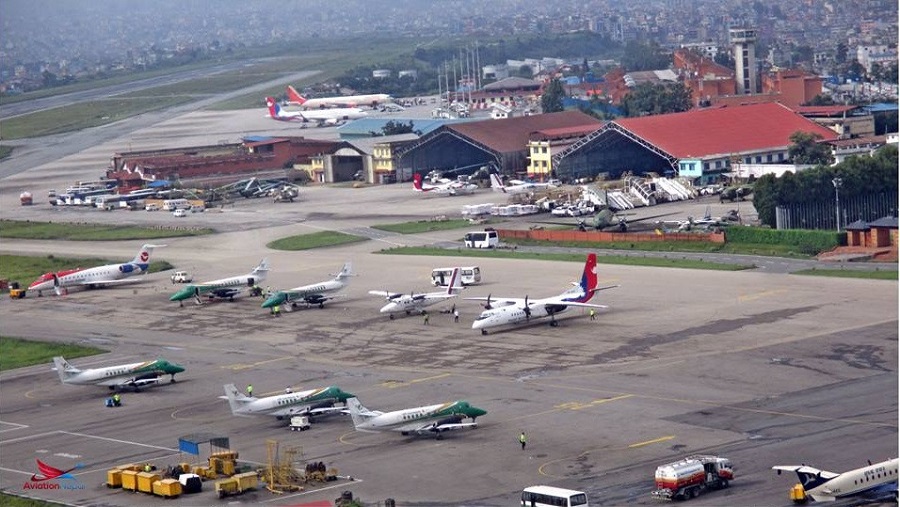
x=182, y=277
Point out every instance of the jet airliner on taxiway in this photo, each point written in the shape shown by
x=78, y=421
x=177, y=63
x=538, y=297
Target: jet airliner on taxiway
x=225, y=288
x=324, y=117
x=100, y=276
x=372, y=99
x=876, y=482
x=314, y=402
x=314, y=294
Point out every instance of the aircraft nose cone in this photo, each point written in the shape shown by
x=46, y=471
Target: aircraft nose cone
x=182, y=294
x=275, y=299
x=477, y=412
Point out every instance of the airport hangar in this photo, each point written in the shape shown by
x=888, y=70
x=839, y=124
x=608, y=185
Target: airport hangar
x=698, y=144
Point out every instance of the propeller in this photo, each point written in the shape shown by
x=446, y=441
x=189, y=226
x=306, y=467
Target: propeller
x=197, y=295
x=487, y=304
x=527, y=309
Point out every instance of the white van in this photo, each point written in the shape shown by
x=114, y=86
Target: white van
x=487, y=238
x=470, y=275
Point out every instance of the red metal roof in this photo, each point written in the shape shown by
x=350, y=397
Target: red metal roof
x=511, y=134
x=725, y=130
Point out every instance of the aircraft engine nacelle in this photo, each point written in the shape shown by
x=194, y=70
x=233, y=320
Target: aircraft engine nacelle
x=251, y=282
x=126, y=268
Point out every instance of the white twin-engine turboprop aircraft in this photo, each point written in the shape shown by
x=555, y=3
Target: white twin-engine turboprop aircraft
x=417, y=302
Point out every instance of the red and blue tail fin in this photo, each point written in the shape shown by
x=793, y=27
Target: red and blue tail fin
x=417, y=181
x=588, y=278
x=274, y=108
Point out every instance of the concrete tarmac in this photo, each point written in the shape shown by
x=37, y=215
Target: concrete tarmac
x=764, y=368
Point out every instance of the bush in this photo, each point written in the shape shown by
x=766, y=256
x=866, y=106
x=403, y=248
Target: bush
x=809, y=242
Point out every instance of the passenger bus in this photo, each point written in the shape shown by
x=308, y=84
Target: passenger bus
x=174, y=204
x=469, y=275
x=487, y=238
x=548, y=496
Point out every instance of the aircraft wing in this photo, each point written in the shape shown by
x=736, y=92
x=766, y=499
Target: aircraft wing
x=498, y=302
x=130, y=381
x=385, y=294
x=221, y=292
x=327, y=410
x=558, y=301
x=439, y=428
x=109, y=282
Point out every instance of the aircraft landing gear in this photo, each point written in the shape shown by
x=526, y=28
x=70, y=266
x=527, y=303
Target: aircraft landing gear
x=391, y=316
x=484, y=332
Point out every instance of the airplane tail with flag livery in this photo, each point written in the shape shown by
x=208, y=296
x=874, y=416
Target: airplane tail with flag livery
x=455, y=284
x=346, y=272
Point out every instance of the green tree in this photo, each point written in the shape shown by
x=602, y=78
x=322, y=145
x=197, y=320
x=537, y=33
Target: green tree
x=392, y=128
x=806, y=150
x=650, y=99
x=551, y=98
x=639, y=56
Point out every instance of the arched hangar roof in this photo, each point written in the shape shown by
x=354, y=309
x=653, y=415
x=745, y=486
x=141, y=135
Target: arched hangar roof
x=501, y=142
x=704, y=133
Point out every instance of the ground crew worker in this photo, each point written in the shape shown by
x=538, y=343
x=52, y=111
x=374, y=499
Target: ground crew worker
x=455, y=315
x=522, y=440
x=592, y=313
x=148, y=468
x=117, y=400
x=277, y=310
x=287, y=390
x=268, y=290
x=249, y=390
x=426, y=318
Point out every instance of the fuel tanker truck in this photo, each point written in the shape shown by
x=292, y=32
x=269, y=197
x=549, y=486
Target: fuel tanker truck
x=692, y=476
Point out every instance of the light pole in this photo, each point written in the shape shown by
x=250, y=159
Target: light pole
x=837, y=182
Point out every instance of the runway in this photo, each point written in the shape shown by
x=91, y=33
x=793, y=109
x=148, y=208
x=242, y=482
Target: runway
x=764, y=368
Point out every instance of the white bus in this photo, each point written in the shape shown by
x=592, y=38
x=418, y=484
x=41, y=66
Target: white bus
x=482, y=239
x=548, y=496
x=469, y=275
x=174, y=204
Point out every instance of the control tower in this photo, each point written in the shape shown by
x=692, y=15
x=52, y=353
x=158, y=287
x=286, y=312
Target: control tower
x=744, y=42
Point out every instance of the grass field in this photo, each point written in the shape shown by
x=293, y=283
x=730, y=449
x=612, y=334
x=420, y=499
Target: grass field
x=25, y=269
x=17, y=353
x=573, y=257
x=850, y=273
x=90, y=232
x=314, y=240
x=17, y=501
x=424, y=226
x=675, y=246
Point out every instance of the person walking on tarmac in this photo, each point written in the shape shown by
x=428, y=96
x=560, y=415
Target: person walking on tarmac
x=117, y=400
x=250, y=390
x=455, y=315
x=522, y=440
x=592, y=313
x=425, y=318
x=276, y=310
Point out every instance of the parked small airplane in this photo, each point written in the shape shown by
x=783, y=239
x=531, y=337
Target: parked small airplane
x=325, y=117
x=427, y=420
x=223, y=288
x=512, y=311
x=310, y=295
x=876, y=482
x=314, y=402
x=372, y=100
x=520, y=188
x=418, y=302
x=134, y=375
x=109, y=274
x=448, y=187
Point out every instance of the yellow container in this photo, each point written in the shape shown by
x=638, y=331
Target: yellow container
x=797, y=494
x=247, y=480
x=130, y=466
x=228, y=467
x=225, y=455
x=129, y=480
x=211, y=474
x=114, y=479
x=185, y=467
x=215, y=464
x=145, y=481
x=199, y=470
x=168, y=488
